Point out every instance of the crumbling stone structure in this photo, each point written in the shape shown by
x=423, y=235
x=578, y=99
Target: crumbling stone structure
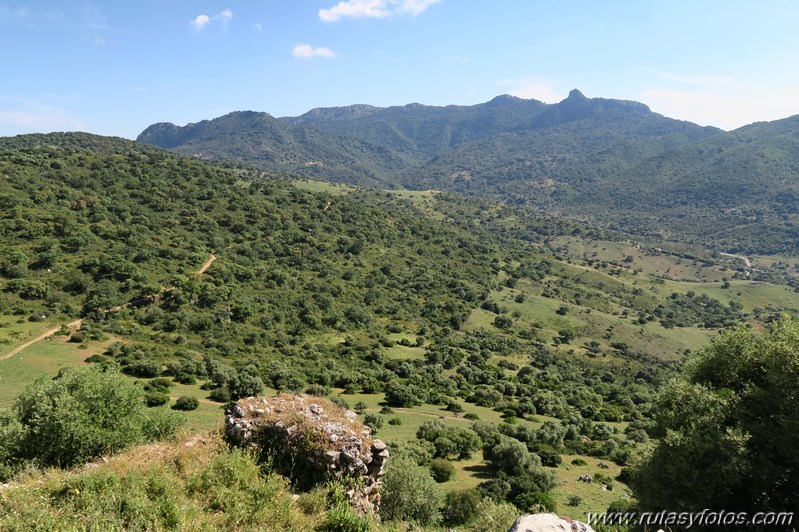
x=311, y=440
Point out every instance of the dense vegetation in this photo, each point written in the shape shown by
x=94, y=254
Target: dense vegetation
x=612, y=162
x=78, y=416
x=555, y=332
x=727, y=429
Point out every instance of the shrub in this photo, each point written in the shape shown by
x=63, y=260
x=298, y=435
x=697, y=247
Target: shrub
x=494, y=516
x=535, y=502
x=579, y=462
x=220, y=395
x=454, y=406
x=143, y=368
x=186, y=378
x=549, y=457
x=441, y=469
x=409, y=493
x=419, y=452
x=461, y=506
x=395, y=421
x=153, y=398
x=575, y=500
x=186, y=403
x=343, y=518
x=373, y=421
x=625, y=475
x=245, y=385
x=317, y=390
x=159, y=385
x=80, y=415
x=494, y=489
x=472, y=416
x=404, y=395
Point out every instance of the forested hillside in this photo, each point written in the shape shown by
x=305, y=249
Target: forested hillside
x=613, y=163
x=539, y=342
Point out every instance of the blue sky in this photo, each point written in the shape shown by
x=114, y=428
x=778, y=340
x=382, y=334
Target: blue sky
x=115, y=67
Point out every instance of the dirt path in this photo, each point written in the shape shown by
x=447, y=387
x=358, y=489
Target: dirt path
x=79, y=322
x=442, y=415
x=206, y=264
x=51, y=332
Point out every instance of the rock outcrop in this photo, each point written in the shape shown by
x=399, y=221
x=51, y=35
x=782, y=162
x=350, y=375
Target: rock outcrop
x=548, y=523
x=311, y=440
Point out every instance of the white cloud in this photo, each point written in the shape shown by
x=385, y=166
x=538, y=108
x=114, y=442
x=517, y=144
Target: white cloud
x=533, y=88
x=226, y=16
x=374, y=9
x=201, y=21
x=307, y=51
x=414, y=7
x=257, y=26
x=355, y=9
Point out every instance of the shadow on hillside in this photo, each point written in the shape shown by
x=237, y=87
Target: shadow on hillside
x=482, y=471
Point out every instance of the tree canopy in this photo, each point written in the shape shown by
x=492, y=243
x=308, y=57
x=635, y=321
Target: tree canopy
x=729, y=428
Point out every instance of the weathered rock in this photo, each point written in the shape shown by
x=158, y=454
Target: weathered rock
x=311, y=440
x=548, y=523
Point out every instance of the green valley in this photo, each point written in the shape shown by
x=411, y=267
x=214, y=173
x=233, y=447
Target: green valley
x=439, y=318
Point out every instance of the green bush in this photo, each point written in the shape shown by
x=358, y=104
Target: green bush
x=220, y=395
x=535, y=502
x=143, y=368
x=158, y=385
x=409, y=493
x=185, y=378
x=549, y=457
x=461, y=506
x=80, y=415
x=491, y=516
x=343, y=518
x=373, y=421
x=154, y=398
x=441, y=469
x=186, y=403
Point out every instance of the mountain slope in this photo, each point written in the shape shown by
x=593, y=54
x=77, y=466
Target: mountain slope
x=368, y=145
x=610, y=162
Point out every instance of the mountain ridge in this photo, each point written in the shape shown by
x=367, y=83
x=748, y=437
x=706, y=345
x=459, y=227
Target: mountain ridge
x=612, y=162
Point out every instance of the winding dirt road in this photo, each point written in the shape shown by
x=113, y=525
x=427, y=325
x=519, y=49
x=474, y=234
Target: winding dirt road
x=206, y=264
x=77, y=323
x=51, y=332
